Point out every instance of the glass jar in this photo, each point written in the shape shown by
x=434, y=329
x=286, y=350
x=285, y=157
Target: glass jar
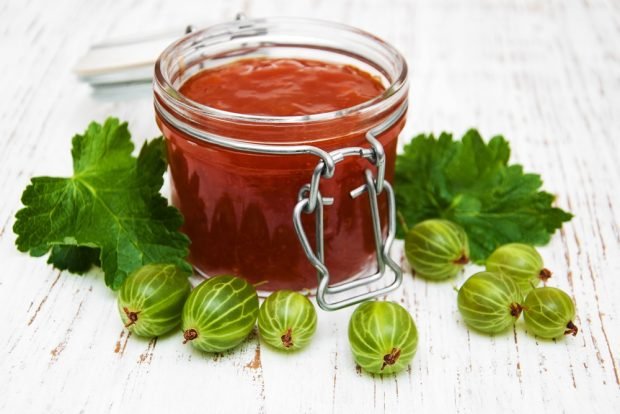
x=237, y=191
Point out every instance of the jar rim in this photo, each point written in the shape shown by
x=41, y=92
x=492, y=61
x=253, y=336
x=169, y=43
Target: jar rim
x=163, y=85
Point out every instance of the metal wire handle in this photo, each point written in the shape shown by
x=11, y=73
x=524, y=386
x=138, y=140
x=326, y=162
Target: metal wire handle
x=382, y=247
x=311, y=201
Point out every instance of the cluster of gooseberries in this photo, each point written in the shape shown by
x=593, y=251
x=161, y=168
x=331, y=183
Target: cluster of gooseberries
x=491, y=301
x=221, y=312
x=215, y=316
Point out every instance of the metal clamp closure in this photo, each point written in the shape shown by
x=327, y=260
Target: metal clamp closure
x=310, y=201
x=310, y=192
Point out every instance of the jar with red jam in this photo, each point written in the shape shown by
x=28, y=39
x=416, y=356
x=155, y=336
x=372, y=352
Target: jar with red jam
x=281, y=137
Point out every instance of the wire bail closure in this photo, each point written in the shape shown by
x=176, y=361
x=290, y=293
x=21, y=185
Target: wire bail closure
x=311, y=201
x=382, y=247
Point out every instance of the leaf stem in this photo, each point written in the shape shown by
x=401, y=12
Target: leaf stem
x=402, y=221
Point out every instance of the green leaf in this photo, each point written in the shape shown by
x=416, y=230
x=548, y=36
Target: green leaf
x=109, y=212
x=76, y=259
x=471, y=183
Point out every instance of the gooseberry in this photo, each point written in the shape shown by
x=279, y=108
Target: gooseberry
x=383, y=337
x=489, y=302
x=437, y=249
x=520, y=262
x=219, y=313
x=151, y=299
x=287, y=320
x=549, y=313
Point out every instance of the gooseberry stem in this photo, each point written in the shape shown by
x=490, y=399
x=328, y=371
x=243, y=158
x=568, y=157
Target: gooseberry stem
x=132, y=316
x=391, y=358
x=189, y=335
x=571, y=329
x=515, y=310
x=462, y=260
x=544, y=275
x=287, y=338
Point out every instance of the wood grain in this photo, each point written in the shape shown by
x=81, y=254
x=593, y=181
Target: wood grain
x=546, y=74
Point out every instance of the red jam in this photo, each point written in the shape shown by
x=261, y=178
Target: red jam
x=238, y=206
x=282, y=87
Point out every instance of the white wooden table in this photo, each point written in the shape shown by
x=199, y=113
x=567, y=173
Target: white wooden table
x=545, y=74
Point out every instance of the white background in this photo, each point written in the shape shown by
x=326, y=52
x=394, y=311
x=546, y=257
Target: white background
x=545, y=74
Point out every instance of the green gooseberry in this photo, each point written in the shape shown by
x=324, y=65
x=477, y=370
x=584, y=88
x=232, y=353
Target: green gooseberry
x=287, y=320
x=383, y=337
x=520, y=262
x=219, y=313
x=489, y=302
x=437, y=249
x=549, y=313
x=150, y=300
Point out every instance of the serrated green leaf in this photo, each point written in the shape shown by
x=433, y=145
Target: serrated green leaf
x=471, y=183
x=110, y=205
